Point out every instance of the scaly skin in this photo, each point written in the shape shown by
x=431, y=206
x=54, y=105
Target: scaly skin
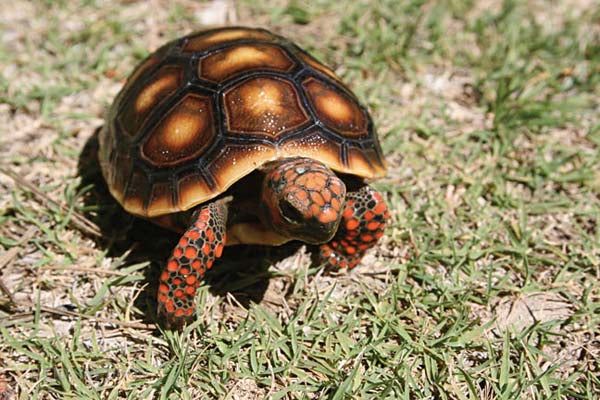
x=319, y=198
x=301, y=199
x=363, y=223
x=196, y=252
x=313, y=194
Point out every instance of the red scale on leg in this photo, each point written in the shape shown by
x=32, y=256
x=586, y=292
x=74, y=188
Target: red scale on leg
x=192, y=234
x=363, y=223
x=195, y=252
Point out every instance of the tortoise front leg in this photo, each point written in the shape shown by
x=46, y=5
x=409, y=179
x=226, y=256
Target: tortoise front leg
x=196, y=252
x=363, y=222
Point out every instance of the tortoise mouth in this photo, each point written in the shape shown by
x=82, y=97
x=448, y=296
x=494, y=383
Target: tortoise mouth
x=308, y=230
x=294, y=225
x=317, y=234
x=290, y=213
x=300, y=226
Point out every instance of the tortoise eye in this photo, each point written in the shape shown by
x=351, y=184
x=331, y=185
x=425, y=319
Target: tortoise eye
x=290, y=212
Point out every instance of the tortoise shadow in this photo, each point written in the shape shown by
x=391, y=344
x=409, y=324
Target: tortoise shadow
x=242, y=272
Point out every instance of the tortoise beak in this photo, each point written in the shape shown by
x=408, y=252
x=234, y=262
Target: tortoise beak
x=316, y=232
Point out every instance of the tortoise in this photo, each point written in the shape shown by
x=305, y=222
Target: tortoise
x=238, y=136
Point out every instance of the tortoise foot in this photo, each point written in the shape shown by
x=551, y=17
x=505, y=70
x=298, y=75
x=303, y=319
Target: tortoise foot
x=363, y=223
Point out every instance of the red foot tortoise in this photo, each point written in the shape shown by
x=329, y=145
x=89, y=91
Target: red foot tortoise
x=238, y=136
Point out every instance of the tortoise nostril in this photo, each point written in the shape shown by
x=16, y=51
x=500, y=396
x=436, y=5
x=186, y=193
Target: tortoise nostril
x=290, y=212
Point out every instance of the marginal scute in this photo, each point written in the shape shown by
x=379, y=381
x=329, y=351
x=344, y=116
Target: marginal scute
x=263, y=105
x=358, y=161
x=226, y=63
x=375, y=158
x=186, y=131
x=205, y=40
x=161, y=198
x=337, y=110
x=235, y=162
x=121, y=166
x=137, y=192
x=163, y=84
x=312, y=62
x=192, y=190
x=107, y=154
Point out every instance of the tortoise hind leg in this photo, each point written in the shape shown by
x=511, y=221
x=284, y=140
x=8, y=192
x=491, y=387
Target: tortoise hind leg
x=363, y=222
x=196, y=252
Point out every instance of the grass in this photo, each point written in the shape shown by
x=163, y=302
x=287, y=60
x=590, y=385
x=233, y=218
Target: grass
x=486, y=284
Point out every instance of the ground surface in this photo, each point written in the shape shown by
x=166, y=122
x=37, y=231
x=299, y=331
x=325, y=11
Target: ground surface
x=486, y=284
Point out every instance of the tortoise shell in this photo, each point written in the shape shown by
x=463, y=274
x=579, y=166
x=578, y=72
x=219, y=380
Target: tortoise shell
x=207, y=109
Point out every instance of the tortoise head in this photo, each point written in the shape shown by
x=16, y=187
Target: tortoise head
x=302, y=199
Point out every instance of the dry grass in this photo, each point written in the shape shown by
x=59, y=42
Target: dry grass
x=485, y=286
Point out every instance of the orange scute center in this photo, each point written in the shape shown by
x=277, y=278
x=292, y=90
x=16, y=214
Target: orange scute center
x=337, y=110
x=183, y=134
x=226, y=63
x=263, y=105
x=159, y=88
